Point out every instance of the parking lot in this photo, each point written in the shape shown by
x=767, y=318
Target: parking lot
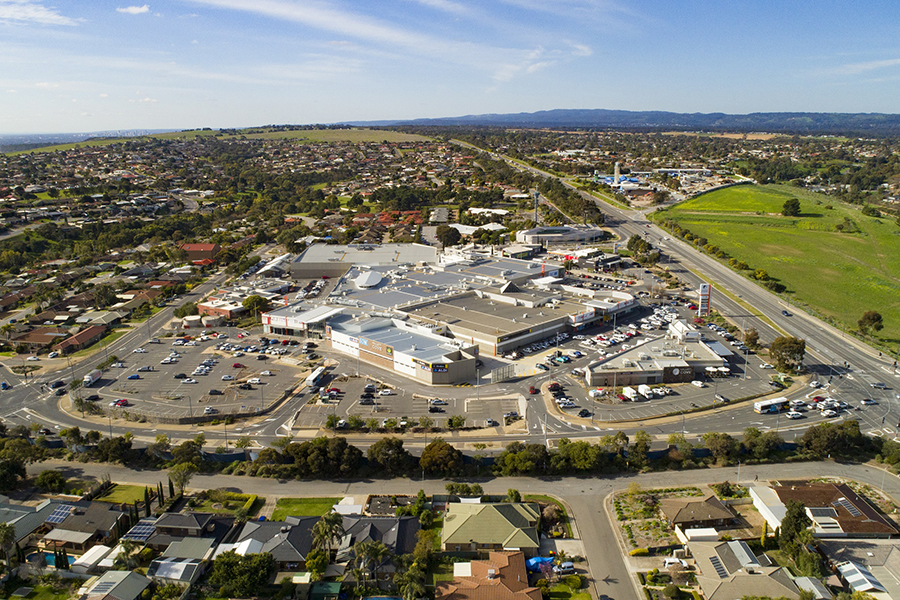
x=180, y=376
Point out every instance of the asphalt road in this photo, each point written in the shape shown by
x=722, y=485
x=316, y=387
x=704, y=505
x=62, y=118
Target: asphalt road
x=585, y=496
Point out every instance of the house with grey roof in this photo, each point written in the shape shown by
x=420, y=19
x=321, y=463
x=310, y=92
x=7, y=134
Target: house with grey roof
x=288, y=541
x=398, y=534
x=27, y=520
x=116, y=585
x=730, y=570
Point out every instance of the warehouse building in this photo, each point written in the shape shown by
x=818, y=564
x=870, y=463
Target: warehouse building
x=563, y=234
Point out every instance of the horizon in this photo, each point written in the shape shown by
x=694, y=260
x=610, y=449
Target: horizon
x=190, y=64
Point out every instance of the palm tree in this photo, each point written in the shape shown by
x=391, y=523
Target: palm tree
x=127, y=560
x=369, y=555
x=7, y=539
x=328, y=531
x=412, y=583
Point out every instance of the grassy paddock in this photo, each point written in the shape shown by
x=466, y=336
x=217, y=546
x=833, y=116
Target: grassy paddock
x=837, y=275
x=302, y=507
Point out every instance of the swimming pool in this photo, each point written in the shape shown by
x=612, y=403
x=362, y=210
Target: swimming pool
x=49, y=557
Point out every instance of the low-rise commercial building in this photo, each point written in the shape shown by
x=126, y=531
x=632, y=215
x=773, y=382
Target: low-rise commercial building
x=334, y=260
x=406, y=348
x=563, y=234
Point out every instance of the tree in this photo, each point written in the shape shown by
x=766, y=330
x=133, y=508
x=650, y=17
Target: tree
x=447, y=236
x=368, y=556
x=439, y=457
x=186, y=310
x=870, y=320
x=390, y=455
x=328, y=531
x=51, y=481
x=127, y=559
x=791, y=208
x=788, y=352
x=721, y=445
x=751, y=338
x=513, y=495
x=795, y=520
x=7, y=539
x=11, y=470
x=316, y=562
x=181, y=475
x=240, y=576
x=637, y=455
x=255, y=305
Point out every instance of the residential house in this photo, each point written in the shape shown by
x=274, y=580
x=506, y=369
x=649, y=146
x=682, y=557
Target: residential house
x=82, y=339
x=197, y=252
x=288, y=541
x=501, y=577
x=470, y=527
x=183, y=562
x=691, y=513
x=174, y=527
x=80, y=525
x=729, y=570
x=835, y=509
x=27, y=520
x=116, y=585
x=398, y=534
x=39, y=338
x=880, y=558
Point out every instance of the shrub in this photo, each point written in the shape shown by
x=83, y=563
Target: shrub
x=574, y=581
x=671, y=591
x=640, y=552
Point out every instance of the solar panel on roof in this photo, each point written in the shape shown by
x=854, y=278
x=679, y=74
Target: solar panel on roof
x=718, y=566
x=823, y=512
x=103, y=587
x=854, y=512
x=59, y=514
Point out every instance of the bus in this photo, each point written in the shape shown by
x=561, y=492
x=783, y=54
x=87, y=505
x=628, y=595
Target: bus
x=770, y=406
x=315, y=377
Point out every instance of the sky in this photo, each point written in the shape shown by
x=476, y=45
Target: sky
x=95, y=65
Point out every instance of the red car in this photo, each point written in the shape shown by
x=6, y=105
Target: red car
x=335, y=390
x=237, y=366
x=532, y=390
x=818, y=399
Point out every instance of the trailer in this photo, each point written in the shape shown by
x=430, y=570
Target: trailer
x=92, y=378
x=630, y=393
x=646, y=391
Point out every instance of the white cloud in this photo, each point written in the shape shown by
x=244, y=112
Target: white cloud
x=46, y=85
x=446, y=6
x=148, y=100
x=134, y=10
x=195, y=41
x=104, y=95
x=581, y=50
x=11, y=91
x=32, y=11
x=863, y=67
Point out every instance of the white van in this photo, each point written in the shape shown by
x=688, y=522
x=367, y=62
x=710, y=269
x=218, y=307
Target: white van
x=698, y=384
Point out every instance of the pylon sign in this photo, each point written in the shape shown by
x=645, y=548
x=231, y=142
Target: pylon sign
x=705, y=295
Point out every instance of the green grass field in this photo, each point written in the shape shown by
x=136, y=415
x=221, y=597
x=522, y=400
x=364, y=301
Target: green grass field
x=836, y=274
x=234, y=503
x=123, y=493
x=302, y=507
x=312, y=135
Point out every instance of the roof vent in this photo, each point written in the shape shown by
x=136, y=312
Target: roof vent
x=492, y=573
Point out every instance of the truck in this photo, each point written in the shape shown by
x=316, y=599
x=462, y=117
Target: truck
x=645, y=391
x=630, y=393
x=92, y=378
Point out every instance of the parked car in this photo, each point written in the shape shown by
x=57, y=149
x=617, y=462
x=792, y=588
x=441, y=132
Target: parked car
x=133, y=376
x=245, y=386
x=4, y=385
x=237, y=366
x=385, y=392
x=215, y=392
x=437, y=402
x=435, y=409
x=209, y=410
x=53, y=354
x=180, y=376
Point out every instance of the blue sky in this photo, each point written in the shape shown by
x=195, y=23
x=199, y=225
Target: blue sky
x=90, y=65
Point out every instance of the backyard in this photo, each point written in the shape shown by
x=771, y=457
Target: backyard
x=121, y=493
x=302, y=507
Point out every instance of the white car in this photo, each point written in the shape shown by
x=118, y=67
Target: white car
x=188, y=380
x=267, y=373
x=53, y=355
x=829, y=413
x=254, y=381
x=437, y=402
x=797, y=402
x=385, y=392
x=227, y=377
x=119, y=365
x=698, y=384
x=32, y=358
x=794, y=415
x=209, y=410
x=867, y=401
x=766, y=366
x=138, y=351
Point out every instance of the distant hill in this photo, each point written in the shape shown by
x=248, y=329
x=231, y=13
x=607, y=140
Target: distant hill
x=868, y=124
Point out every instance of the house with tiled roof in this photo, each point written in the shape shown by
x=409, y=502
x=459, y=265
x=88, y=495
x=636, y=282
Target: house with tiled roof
x=195, y=252
x=487, y=527
x=82, y=339
x=690, y=513
x=501, y=577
